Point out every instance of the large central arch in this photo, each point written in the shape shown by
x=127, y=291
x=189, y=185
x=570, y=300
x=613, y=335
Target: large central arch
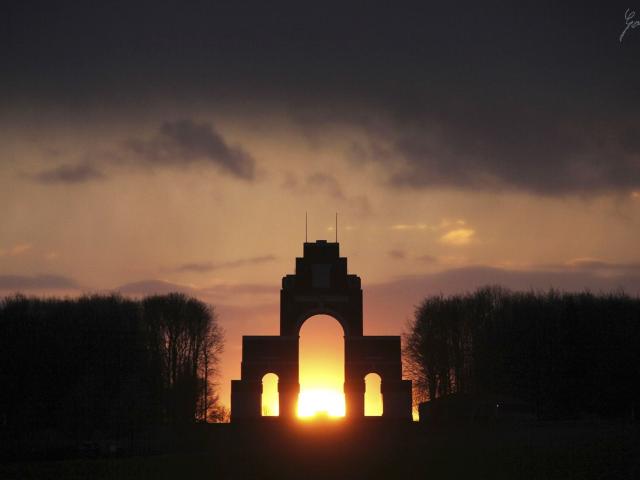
x=314, y=312
x=321, y=285
x=321, y=367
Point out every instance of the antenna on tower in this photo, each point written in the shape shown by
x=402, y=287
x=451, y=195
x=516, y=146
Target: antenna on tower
x=336, y=227
x=305, y=228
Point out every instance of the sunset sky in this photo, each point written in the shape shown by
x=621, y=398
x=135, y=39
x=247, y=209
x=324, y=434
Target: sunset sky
x=158, y=147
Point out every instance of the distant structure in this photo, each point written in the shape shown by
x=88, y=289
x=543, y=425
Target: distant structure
x=321, y=285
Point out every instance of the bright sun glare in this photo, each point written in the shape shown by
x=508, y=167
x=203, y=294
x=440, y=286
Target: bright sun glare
x=321, y=402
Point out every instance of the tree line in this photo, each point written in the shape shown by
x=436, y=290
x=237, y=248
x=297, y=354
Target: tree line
x=107, y=363
x=566, y=354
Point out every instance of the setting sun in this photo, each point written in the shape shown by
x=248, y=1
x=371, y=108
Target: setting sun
x=321, y=402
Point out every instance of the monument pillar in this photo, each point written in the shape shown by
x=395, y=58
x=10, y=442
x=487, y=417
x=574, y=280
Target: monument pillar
x=354, y=397
x=288, y=392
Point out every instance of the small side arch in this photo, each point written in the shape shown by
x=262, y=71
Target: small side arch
x=270, y=399
x=373, y=405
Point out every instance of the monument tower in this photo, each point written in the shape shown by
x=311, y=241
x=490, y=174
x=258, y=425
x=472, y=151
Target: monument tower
x=321, y=285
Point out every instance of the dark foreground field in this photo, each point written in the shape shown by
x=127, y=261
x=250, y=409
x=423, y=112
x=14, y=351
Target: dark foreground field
x=328, y=449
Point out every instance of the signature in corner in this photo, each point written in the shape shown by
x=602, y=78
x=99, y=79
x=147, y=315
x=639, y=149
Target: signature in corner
x=629, y=16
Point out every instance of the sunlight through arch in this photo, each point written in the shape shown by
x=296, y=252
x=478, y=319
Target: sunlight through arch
x=373, y=395
x=321, y=358
x=270, y=399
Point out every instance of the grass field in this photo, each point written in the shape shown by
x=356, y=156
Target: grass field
x=377, y=450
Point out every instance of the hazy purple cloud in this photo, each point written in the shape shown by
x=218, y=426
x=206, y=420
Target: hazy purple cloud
x=397, y=254
x=329, y=185
x=209, y=293
x=326, y=183
x=154, y=287
x=203, y=267
x=36, y=282
x=69, y=174
x=244, y=289
x=393, y=302
x=427, y=259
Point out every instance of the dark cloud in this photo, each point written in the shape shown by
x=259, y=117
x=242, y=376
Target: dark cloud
x=176, y=144
x=540, y=98
x=69, y=174
x=483, y=148
x=202, y=267
x=36, y=282
x=185, y=142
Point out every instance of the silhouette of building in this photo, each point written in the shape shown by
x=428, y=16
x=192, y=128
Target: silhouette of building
x=321, y=285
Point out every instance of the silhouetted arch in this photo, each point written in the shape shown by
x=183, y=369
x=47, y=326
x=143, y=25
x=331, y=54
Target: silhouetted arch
x=315, y=312
x=270, y=400
x=321, y=285
x=373, y=406
x=321, y=366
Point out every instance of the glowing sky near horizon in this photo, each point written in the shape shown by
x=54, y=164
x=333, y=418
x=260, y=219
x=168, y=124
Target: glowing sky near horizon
x=163, y=147
x=229, y=242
